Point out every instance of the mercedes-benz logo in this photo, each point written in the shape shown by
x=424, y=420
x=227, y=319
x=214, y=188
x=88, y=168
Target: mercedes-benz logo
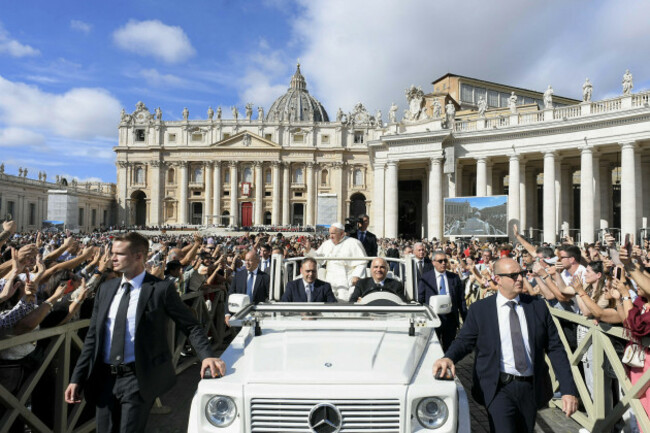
x=325, y=418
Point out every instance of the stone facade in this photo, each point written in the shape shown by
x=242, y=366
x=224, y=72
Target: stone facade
x=83, y=206
x=294, y=165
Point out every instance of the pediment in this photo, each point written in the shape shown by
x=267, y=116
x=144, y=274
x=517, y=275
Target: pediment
x=246, y=140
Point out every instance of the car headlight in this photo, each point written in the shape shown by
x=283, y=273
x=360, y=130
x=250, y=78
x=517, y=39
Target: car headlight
x=432, y=412
x=221, y=411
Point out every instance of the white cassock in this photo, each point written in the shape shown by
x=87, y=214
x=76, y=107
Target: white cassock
x=341, y=272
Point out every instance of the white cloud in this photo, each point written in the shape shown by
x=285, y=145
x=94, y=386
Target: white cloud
x=371, y=50
x=157, y=79
x=12, y=137
x=153, y=38
x=81, y=113
x=80, y=26
x=14, y=48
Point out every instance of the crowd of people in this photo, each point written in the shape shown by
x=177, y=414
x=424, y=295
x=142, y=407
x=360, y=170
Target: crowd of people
x=49, y=279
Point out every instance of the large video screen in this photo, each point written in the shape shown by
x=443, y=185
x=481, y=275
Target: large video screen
x=476, y=216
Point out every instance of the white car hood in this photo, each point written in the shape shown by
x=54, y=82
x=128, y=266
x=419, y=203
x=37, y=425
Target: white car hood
x=330, y=357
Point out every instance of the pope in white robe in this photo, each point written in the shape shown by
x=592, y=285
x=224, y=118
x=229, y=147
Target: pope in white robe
x=341, y=273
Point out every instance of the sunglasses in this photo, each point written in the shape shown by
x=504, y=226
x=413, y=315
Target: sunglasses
x=442, y=261
x=514, y=275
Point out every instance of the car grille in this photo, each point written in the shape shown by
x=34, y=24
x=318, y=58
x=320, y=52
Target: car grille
x=291, y=415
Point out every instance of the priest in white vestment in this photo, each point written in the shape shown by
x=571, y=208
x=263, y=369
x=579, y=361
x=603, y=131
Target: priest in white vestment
x=341, y=274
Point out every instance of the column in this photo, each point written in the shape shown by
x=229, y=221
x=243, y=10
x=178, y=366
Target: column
x=638, y=170
x=182, y=201
x=207, y=208
x=513, y=191
x=523, y=197
x=459, y=181
x=275, y=178
x=259, y=194
x=286, y=200
x=490, y=178
x=434, y=229
x=377, y=220
x=586, y=195
x=234, y=190
x=122, y=175
x=216, y=199
x=309, y=172
x=596, y=190
x=340, y=194
x=392, y=199
x=645, y=174
x=481, y=177
x=549, y=198
x=531, y=200
x=605, y=194
x=156, y=199
x=628, y=189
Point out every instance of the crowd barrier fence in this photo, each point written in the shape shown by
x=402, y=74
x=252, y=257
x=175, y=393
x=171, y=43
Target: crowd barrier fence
x=57, y=358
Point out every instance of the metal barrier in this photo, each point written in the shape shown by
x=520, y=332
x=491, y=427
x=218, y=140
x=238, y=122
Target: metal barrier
x=57, y=359
x=596, y=417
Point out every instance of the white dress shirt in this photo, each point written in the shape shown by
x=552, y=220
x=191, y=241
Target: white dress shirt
x=507, y=362
x=440, y=276
x=109, y=325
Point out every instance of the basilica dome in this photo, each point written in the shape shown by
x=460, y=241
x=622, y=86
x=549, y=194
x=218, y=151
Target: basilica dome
x=297, y=105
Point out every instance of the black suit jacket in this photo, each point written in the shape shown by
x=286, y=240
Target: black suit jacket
x=428, y=286
x=369, y=243
x=480, y=332
x=158, y=302
x=295, y=292
x=428, y=266
x=367, y=285
x=260, y=289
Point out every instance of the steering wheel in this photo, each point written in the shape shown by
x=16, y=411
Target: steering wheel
x=381, y=299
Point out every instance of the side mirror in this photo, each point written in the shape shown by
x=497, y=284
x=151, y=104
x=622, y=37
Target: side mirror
x=237, y=302
x=441, y=304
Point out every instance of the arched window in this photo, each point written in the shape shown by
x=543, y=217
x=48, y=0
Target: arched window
x=170, y=176
x=226, y=177
x=323, y=177
x=298, y=177
x=248, y=175
x=198, y=175
x=139, y=175
x=267, y=177
x=267, y=218
x=358, y=177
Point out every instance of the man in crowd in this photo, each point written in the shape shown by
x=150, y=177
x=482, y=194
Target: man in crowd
x=367, y=239
x=341, y=274
x=439, y=281
x=250, y=281
x=377, y=283
x=424, y=264
x=510, y=334
x=265, y=253
x=124, y=367
x=308, y=288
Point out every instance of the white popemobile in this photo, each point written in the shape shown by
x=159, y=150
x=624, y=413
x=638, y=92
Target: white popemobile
x=329, y=368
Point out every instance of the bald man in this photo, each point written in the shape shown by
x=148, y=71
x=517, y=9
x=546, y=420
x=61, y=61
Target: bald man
x=510, y=334
x=378, y=282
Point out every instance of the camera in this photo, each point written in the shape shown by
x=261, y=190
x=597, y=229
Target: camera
x=352, y=224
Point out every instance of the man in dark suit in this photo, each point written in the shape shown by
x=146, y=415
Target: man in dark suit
x=308, y=288
x=125, y=362
x=439, y=281
x=423, y=264
x=377, y=283
x=367, y=239
x=250, y=281
x=510, y=334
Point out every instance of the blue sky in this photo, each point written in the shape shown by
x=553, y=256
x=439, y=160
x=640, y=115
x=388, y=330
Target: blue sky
x=68, y=67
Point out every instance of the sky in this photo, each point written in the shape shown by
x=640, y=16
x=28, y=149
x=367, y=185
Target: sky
x=68, y=67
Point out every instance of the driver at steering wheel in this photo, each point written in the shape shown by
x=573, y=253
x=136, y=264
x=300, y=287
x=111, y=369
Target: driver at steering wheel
x=377, y=283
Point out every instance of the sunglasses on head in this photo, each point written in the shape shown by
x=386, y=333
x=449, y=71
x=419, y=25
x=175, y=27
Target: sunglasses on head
x=514, y=275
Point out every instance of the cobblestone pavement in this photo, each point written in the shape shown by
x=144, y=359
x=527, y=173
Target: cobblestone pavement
x=178, y=401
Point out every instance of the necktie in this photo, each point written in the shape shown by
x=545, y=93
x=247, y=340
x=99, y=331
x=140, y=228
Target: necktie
x=518, y=348
x=420, y=267
x=442, y=289
x=119, y=329
x=249, y=285
x=308, y=291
